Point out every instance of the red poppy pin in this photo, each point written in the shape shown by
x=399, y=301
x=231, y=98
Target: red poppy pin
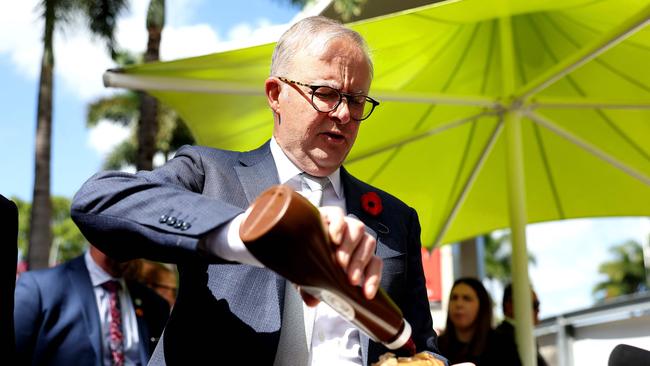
x=371, y=203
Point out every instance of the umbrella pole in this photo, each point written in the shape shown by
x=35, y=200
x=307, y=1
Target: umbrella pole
x=521, y=291
x=516, y=204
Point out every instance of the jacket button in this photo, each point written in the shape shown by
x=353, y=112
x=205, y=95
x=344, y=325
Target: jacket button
x=171, y=221
x=179, y=223
x=186, y=225
x=163, y=219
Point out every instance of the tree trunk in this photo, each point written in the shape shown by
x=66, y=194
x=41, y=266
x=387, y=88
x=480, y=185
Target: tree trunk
x=40, y=235
x=148, y=124
x=147, y=131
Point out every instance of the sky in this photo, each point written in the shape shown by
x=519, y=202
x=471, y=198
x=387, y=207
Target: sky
x=568, y=253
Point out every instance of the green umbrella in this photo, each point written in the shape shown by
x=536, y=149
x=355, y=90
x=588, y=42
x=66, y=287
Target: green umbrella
x=494, y=114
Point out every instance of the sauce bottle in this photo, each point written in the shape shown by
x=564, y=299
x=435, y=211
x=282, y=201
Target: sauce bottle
x=284, y=231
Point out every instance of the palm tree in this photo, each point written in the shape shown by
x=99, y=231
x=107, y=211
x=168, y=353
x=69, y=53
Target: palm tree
x=68, y=240
x=101, y=17
x=346, y=8
x=148, y=125
x=123, y=109
x=625, y=273
x=498, y=253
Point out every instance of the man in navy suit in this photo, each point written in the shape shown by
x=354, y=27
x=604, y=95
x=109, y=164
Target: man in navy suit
x=62, y=314
x=9, y=243
x=189, y=211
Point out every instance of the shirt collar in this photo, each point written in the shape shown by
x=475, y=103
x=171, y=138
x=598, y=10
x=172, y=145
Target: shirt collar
x=97, y=275
x=288, y=170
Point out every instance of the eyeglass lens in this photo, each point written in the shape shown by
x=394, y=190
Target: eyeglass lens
x=326, y=99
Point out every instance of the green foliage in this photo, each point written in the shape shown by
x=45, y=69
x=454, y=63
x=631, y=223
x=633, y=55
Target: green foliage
x=156, y=14
x=625, y=274
x=124, y=109
x=498, y=257
x=24, y=210
x=122, y=155
x=346, y=8
x=67, y=238
x=121, y=109
x=100, y=16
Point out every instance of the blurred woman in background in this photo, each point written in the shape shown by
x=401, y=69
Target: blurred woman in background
x=468, y=335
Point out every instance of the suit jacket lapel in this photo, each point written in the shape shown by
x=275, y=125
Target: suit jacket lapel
x=257, y=171
x=354, y=189
x=82, y=288
x=374, y=226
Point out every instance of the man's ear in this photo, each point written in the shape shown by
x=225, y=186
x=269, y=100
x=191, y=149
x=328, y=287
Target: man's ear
x=272, y=88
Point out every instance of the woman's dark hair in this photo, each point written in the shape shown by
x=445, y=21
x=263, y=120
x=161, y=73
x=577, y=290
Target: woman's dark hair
x=482, y=324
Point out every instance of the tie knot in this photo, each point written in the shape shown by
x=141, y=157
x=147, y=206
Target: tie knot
x=112, y=286
x=315, y=183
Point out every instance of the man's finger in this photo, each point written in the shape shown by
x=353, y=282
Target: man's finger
x=353, y=235
x=334, y=221
x=373, y=277
x=360, y=258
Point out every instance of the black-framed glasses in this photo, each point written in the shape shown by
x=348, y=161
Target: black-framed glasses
x=326, y=99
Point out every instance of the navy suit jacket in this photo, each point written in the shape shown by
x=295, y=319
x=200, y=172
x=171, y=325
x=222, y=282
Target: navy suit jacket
x=224, y=307
x=9, y=250
x=57, y=321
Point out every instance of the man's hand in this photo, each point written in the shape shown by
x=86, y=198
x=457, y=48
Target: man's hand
x=355, y=251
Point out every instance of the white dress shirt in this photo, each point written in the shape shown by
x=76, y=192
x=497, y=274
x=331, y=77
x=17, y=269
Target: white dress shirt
x=334, y=340
x=129, y=322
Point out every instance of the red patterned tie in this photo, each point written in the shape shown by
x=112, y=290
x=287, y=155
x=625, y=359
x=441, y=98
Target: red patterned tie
x=116, y=343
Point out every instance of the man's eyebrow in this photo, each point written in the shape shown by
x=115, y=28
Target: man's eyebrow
x=336, y=85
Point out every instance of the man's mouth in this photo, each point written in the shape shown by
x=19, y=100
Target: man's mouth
x=333, y=136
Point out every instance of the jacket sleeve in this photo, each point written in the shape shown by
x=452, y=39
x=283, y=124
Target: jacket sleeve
x=27, y=317
x=418, y=314
x=159, y=215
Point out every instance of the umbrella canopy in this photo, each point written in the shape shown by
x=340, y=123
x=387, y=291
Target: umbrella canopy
x=494, y=113
x=579, y=75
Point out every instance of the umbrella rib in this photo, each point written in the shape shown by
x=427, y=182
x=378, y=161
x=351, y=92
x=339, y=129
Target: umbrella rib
x=606, y=65
x=406, y=140
x=137, y=82
x=586, y=53
x=595, y=31
x=432, y=98
x=469, y=182
x=543, y=121
x=549, y=173
x=550, y=102
x=392, y=156
x=622, y=134
x=463, y=160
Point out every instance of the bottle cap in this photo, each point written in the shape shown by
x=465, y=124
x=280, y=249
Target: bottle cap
x=401, y=339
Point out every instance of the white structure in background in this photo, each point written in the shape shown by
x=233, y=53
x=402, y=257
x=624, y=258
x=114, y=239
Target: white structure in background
x=588, y=336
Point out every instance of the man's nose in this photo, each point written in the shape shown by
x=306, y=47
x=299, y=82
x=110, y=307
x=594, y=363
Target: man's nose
x=341, y=114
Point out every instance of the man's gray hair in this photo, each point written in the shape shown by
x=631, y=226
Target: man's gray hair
x=312, y=34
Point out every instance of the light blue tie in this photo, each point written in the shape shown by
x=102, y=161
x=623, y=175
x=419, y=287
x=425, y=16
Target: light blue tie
x=293, y=347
